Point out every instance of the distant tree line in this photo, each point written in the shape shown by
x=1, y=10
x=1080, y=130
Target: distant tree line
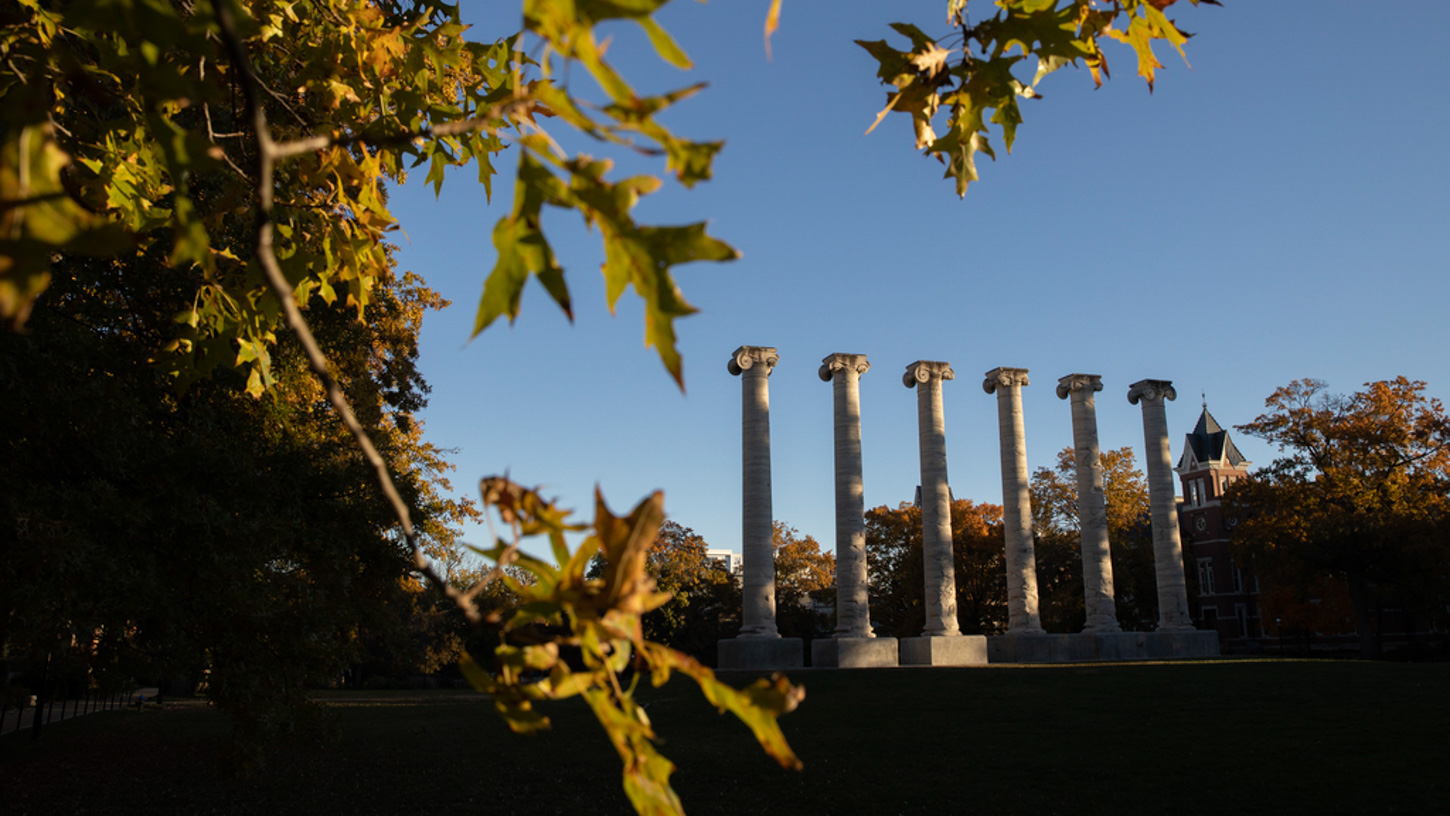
x=1352, y=521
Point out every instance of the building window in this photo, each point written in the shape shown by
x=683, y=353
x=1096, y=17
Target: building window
x=1205, y=576
x=1241, y=614
x=1238, y=579
x=1195, y=490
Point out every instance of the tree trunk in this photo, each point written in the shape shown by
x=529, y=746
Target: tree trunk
x=1369, y=640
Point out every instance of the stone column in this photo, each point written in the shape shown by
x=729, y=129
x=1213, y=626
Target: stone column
x=936, y=517
x=1022, y=602
x=1163, y=498
x=759, y=645
x=1097, y=562
x=753, y=365
x=853, y=609
x=853, y=645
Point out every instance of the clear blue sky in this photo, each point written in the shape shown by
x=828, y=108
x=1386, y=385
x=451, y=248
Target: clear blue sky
x=1278, y=211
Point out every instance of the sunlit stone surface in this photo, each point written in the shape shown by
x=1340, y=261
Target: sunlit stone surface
x=941, y=643
x=926, y=377
x=1023, y=616
x=1167, y=546
x=759, y=645
x=853, y=608
x=854, y=644
x=1097, y=562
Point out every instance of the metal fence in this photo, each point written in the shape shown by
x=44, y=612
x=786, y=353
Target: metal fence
x=32, y=717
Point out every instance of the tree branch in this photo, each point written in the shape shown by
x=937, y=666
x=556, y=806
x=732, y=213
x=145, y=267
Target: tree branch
x=269, y=152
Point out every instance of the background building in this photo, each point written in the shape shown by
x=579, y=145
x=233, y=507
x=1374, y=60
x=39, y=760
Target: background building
x=1223, y=594
x=729, y=558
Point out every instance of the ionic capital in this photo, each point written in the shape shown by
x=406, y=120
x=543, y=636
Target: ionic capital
x=924, y=371
x=747, y=357
x=843, y=362
x=1004, y=378
x=1078, y=382
x=1151, y=390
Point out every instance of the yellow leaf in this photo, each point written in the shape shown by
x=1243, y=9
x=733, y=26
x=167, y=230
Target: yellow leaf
x=772, y=22
x=932, y=61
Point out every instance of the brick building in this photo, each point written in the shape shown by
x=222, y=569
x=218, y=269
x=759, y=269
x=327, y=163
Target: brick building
x=1223, y=595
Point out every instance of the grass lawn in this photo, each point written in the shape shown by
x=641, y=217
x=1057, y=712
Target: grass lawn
x=1184, y=738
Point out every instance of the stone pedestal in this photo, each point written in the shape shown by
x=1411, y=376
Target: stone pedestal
x=1102, y=646
x=955, y=650
x=1167, y=545
x=1022, y=601
x=760, y=654
x=853, y=653
x=1097, y=562
x=1182, y=643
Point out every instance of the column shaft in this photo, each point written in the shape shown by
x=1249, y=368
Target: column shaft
x=853, y=607
x=1163, y=499
x=1023, y=614
x=1097, y=562
x=940, y=595
x=753, y=364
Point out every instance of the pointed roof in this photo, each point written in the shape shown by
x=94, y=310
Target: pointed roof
x=1210, y=445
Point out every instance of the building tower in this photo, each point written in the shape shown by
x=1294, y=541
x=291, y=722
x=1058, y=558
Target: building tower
x=1226, y=596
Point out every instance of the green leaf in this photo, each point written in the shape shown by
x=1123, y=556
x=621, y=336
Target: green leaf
x=664, y=44
x=522, y=249
x=475, y=674
x=436, y=168
x=759, y=706
x=919, y=40
x=646, y=773
x=650, y=273
x=39, y=215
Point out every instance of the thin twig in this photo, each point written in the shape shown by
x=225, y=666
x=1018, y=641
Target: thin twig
x=311, y=144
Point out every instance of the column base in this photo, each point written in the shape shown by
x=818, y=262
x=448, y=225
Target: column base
x=760, y=653
x=1183, y=643
x=1087, y=647
x=853, y=653
x=955, y=650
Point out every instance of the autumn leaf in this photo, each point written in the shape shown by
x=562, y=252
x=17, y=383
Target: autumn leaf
x=39, y=215
x=772, y=22
x=1055, y=33
x=931, y=61
x=624, y=543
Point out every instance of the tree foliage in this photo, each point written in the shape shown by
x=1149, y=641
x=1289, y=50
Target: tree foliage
x=804, y=577
x=894, y=561
x=206, y=537
x=128, y=130
x=1058, y=544
x=601, y=618
x=942, y=74
x=704, y=604
x=240, y=151
x=1359, y=496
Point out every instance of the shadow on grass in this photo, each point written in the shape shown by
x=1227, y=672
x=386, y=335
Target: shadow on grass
x=1202, y=738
